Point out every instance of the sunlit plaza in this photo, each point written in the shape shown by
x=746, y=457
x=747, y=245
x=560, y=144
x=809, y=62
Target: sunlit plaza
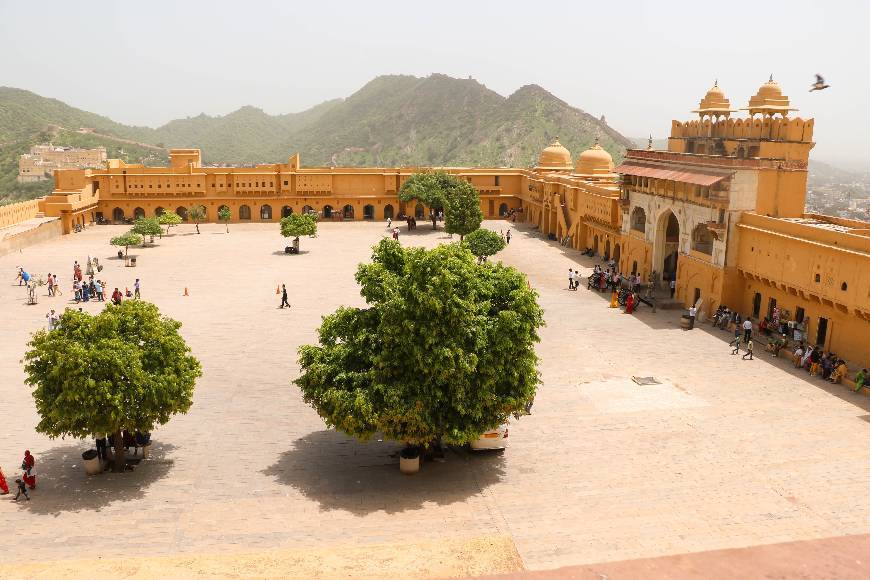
x=719, y=453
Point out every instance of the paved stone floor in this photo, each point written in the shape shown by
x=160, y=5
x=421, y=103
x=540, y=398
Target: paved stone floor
x=724, y=453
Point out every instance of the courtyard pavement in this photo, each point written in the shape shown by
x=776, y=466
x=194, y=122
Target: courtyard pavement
x=723, y=453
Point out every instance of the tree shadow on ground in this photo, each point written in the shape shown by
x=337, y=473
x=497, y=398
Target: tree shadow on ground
x=342, y=473
x=62, y=485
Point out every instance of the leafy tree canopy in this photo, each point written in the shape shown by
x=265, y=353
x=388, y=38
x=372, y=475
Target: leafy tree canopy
x=127, y=368
x=224, y=214
x=295, y=225
x=169, y=218
x=462, y=214
x=126, y=240
x=196, y=213
x=484, y=243
x=444, y=349
x=430, y=188
x=148, y=226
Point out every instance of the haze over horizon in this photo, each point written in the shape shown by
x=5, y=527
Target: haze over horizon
x=642, y=66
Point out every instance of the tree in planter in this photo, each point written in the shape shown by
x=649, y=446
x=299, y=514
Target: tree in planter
x=125, y=369
x=196, y=213
x=484, y=243
x=225, y=215
x=296, y=225
x=126, y=240
x=147, y=227
x=169, y=219
x=444, y=350
x=462, y=214
x=429, y=188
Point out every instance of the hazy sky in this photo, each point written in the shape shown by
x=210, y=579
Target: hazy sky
x=639, y=63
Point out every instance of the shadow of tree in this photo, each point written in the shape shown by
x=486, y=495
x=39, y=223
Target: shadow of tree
x=63, y=486
x=341, y=473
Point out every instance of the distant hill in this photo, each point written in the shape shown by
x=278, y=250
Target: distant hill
x=392, y=120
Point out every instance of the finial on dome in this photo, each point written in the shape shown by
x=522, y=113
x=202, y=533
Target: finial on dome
x=716, y=82
x=770, y=80
x=649, y=143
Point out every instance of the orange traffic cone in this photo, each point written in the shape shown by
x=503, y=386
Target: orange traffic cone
x=277, y=289
x=185, y=291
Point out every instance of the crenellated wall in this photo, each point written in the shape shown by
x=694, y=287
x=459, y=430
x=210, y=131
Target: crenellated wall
x=15, y=213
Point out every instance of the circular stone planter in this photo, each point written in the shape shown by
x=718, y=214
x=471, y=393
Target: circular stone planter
x=92, y=462
x=409, y=461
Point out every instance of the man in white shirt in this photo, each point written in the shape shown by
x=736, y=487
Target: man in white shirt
x=692, y=313
x=53, y=319
x=747, y=329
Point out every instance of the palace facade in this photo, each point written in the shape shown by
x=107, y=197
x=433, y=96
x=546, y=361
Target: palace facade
x=720, y=212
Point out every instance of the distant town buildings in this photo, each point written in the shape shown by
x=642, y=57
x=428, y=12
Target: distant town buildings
x=40, y=163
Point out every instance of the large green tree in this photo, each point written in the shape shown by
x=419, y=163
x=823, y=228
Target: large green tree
x=484, y=243
x=443, y=351
x=126, y=240
x=124, y=369
x=462, y=214
x=298, y=224
x=196, y=213
x=429, y=188
x=147, y=226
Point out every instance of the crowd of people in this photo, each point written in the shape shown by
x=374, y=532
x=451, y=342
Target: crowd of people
x=623, y=289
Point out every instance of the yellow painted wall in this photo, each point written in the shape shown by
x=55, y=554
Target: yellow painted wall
x=14, y=213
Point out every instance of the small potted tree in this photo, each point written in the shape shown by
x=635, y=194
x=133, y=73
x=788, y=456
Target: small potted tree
x=296, y=225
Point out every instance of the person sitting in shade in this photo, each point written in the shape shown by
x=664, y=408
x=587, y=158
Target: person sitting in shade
x=840, y=371
x=859, y=380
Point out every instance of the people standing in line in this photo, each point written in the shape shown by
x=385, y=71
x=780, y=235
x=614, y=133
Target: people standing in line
x=507, y=237
x=284, y=297
x=673, y=285
x=747, y=329
x=748, y=350
x=136, y=293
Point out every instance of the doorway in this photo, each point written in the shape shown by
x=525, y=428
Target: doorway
x=756, y=305
x=822, y=332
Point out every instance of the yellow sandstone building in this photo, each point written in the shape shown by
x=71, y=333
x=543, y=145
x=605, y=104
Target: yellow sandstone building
x=720, y=212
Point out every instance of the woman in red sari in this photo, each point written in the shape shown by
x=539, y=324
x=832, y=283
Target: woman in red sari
x=27, y=466
x=629, y=304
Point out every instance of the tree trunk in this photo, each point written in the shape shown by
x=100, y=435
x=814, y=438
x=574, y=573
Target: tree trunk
x=126, y=250
x=197, y=227
x=228, y=226
x=118, y=466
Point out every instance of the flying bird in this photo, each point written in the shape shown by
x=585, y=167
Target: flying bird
x=819, y=84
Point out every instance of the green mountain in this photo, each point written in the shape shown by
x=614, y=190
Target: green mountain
x=392, y=120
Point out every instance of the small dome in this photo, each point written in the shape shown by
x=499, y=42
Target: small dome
x=714, y=103
x=769, y=100
x=594, y=161
x=555, y=158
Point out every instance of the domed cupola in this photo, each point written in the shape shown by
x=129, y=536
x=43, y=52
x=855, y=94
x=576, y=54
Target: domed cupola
x=555, y=158
x=769, y=100
x=594, y=162
x=714, y=103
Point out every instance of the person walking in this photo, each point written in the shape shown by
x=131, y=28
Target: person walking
x=735, y=342
x=507, y=238
x=284, y=297
x=98, y=290
x=50, y=283
x=747, y=329
x=27, y=465
x=576, y=279
x=136, y=293
x=692, y=312
x=673, y=285
x=389, y=223
x=570, y=278
x=748, y=350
